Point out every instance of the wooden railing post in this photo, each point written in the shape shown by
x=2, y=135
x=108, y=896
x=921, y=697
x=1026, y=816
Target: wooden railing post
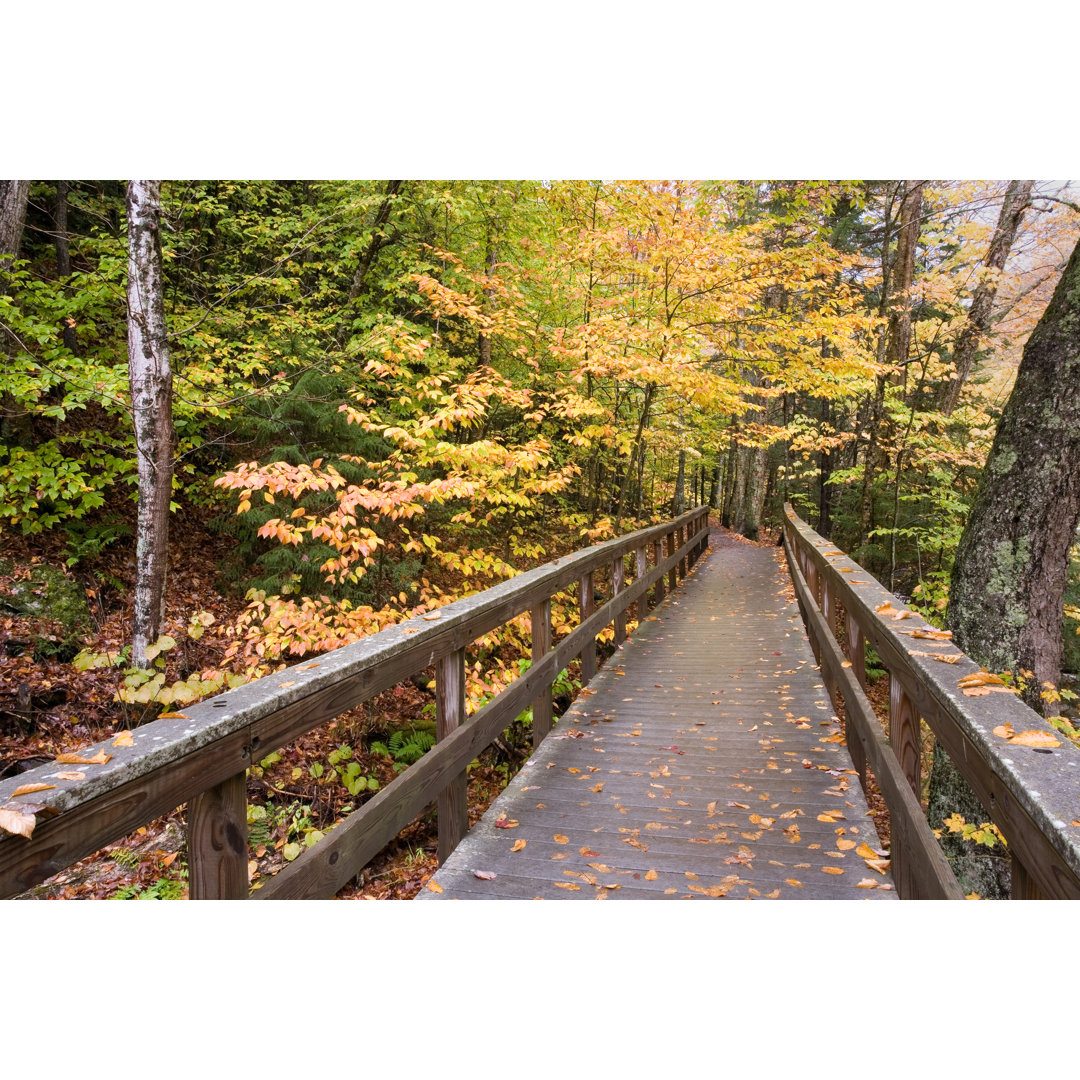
x=541, y=642
x=673, y=573
x=618, y=581
x=217, y=842
x=658, y=558
x=856, y=649
x=587, y=606
x=452, y=802
x=640, y=570
x=904, y=732
x=684, y=568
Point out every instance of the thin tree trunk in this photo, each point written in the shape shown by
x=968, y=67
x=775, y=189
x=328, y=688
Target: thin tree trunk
x=151, y=401
x=379, y=240
x=16, y=425
x=679, y=502
x=1017, y=200
x=63, y=255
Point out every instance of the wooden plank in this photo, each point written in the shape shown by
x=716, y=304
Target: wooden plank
x=542, y=709
x=658, y=558
x=904, y=733
x=587, y=606
x=453, y=812
x=217, y=842
x=618, y=581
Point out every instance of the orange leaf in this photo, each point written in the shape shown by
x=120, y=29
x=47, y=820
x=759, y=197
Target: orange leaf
x=123, y=739
x=1004, y=731
x=831, y=870
x=1041, y=739
x=867, y=883
x=519, y=845
x=845, y=845
x=26, y=789
x=70, y=775
x=792, y=881
x=173, y=716
x=434, y=886
x=651, y=875
x=170, y=858
x=865, y=851
x=560, y=839
x=75, y=759
x=566, y=885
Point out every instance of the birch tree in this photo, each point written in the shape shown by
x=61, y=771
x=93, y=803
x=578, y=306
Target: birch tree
x=151, y=402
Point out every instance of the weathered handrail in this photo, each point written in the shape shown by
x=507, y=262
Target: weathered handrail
x=202, y=759
x=1030, y=794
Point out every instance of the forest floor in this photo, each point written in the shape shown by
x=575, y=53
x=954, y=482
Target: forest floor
x=48, y=707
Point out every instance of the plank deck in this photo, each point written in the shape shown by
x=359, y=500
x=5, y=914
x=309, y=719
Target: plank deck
x=697, y=764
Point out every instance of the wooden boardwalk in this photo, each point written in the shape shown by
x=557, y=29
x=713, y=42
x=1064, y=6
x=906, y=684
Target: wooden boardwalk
x=704, y=760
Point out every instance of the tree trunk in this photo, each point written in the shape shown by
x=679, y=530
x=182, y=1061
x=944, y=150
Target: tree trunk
x=678, y=504
x=63, y=255
x=16, y=424
x=1008, y=581
x=14, y=195
x=378, y=239
x=151, y=401
x=1017, y=200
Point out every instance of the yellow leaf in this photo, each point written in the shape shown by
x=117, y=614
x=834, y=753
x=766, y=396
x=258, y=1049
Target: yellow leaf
x=519, y=845
x=865, y=851
x=566, y=885
x=173, y=716
x=651, y=875
x=691, y=876
x=70, y=775
x=792, y=881
x=831, y=870
x=845, y=845
x=123, y=739
x=560, y=839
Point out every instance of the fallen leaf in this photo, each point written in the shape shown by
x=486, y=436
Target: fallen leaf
x=566, y=885
x=587, y=853
x=27, y=789
x=282, y=685
x=880, y=865
x=560, y=839
x=503, y=822
x=651, y=875
x=171, y=858
x=519, y=845
x=1004, y=731
x=792, y=881
x=15, y=819
x=867, y=883
x=70, y=775
x=123, y=739
x=431, y=617
x=1042, y=740
x=173, y=716
x=845, y=845
x=434, y=886
x=831, y=870
x=945, y=659
x=485, y=875
x=865, y=851
x=597, y=787
x=75, y=759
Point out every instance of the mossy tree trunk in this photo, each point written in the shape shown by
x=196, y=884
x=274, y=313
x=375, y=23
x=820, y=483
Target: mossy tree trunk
x=1008, y=581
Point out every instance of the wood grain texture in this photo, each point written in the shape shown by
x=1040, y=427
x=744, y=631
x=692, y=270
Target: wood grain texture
x=453, y=810
x=618, y=582
x=541, y=644
x=217, y=842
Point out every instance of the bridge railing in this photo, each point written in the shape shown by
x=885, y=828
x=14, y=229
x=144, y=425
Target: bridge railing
x=201, y=757
x=1029, y=792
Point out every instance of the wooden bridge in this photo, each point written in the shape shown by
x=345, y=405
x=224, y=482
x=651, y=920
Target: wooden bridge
x=704, y=760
